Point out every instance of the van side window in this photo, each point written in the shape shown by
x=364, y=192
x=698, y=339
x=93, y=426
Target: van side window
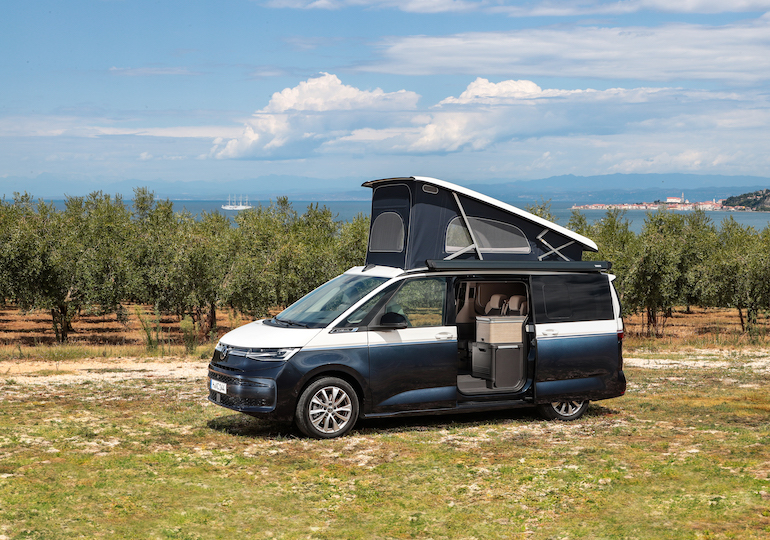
x=571, y=298
x=361, y=316
x=421, y=301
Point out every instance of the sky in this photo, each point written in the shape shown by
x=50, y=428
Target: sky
x=100, y=91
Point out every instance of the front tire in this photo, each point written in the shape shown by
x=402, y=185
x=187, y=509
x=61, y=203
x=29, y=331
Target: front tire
x=563, y=410
x=327, y=408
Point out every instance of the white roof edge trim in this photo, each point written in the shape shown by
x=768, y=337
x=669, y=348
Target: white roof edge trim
x=376, y=271
x=587, y=242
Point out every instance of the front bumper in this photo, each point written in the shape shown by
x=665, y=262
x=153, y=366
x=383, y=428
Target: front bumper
x=241, y=393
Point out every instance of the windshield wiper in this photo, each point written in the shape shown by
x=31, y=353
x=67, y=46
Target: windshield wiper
x=290, y=323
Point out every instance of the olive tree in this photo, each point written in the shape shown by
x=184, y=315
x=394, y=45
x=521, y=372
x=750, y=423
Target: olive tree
x=737, y=271
x=65, y=261
x=654, y=274
x=202, y=261
x=282, y=255
x=616, y=241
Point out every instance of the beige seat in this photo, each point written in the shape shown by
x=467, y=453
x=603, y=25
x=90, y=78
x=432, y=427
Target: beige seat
x=495, y=304
x=517, y=305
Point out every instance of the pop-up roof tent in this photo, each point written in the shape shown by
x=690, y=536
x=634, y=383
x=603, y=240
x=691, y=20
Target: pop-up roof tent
x=419, y=219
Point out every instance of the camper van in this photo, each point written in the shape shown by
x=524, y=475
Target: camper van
x=464, y=304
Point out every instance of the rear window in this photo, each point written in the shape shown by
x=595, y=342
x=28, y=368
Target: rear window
x=571, y=298
x=387, y=233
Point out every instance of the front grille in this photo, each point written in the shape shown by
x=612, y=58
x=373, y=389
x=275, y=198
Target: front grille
x=229, y=380
x=235, y=401
x=228, y=368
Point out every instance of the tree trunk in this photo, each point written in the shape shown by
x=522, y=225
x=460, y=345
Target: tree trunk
x=211, y=321
x=743, y=323
x=652, y=322
x=62, y=325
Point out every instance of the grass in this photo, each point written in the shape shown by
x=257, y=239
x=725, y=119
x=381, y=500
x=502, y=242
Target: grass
x=685, y=454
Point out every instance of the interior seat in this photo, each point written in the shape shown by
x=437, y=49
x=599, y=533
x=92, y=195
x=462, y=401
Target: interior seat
x=495, y=304
x=517, y=305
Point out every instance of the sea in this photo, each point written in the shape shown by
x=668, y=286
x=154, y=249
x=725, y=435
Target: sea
x=346, y=210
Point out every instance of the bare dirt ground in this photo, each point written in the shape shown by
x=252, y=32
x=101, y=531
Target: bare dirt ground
x=36, y=372
x=111, y=369
x=754, y=359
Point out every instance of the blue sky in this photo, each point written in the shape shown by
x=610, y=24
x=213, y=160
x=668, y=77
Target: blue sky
x=101, y=91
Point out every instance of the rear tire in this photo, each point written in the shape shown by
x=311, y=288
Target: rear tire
x=563, y=410
x=327, y=408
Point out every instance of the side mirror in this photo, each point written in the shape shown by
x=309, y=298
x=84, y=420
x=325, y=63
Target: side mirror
x=392, y=321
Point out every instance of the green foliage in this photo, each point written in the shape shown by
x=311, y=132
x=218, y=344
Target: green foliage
x=151, y=328
x=655, y=272
x=617, y=243
x=542, y=209
x=683, y=260
x=97, y=254
x=189, y=334
x=737, y=271
x=756, y=200
x=63, y=261
x=281, y=256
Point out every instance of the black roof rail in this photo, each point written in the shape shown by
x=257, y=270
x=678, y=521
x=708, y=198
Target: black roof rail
x=547, y=266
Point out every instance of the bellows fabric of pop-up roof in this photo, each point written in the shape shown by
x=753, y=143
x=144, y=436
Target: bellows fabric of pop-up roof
x=418, y=218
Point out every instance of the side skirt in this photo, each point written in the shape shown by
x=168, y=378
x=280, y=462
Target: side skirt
x=463, y=407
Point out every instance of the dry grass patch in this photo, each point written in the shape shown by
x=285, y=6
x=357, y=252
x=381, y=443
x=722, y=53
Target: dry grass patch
x=122, y=452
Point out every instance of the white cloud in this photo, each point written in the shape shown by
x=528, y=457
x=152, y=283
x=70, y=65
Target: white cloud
x=553, y=131
x=327, y=93
x=490, y=128
x=301, y=118
x=481, y=91
x=735, y=53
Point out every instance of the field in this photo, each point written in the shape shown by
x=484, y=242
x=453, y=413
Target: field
x=105, y=336
x=107, y=447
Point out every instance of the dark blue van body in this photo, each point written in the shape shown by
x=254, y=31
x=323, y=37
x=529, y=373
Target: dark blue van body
x=500, y=316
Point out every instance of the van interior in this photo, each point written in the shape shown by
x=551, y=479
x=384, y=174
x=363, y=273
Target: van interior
x=491, y=317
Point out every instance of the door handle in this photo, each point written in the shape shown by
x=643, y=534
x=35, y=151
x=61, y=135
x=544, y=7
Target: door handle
x=550, y=332
x=444, y=335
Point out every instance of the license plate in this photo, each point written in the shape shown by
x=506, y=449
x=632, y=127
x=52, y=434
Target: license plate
x=218, y=386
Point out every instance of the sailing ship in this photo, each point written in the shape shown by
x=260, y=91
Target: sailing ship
x=236, y=204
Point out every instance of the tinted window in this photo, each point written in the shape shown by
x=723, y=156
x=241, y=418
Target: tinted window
x=421, y=301
x=330, y=300
x=361, y=316
x=387, y=233
x=571, y=298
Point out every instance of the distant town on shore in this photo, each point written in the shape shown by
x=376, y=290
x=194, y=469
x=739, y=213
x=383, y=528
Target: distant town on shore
x=757, y=201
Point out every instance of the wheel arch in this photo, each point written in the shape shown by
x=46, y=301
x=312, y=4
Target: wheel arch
x=348, y=375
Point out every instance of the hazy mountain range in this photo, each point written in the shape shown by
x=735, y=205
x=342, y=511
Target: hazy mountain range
x=568, y=188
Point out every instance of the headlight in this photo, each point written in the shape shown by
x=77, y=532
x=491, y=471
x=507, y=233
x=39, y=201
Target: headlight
x=271, y=355
x=264, y=354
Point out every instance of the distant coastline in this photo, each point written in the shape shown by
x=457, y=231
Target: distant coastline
x=672, y=203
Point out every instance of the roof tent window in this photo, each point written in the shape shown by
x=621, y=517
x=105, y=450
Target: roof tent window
x=387, y=233
x=492, y=236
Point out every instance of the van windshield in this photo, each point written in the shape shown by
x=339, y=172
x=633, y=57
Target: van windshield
x=320, y=307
